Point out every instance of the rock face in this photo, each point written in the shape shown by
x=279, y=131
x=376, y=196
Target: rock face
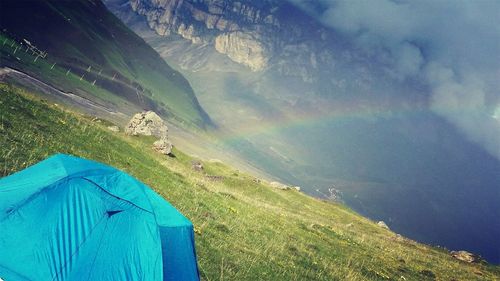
x=269, y=36
x=237, y=29
x=244, y=48
x=147, y=123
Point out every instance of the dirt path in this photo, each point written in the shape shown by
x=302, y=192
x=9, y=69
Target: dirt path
x=100, y=109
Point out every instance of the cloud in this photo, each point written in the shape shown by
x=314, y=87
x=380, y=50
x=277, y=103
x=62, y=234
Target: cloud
x=496, y=114
x=453, y=46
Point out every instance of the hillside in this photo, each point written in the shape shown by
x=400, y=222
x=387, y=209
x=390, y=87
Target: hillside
x=246, y=230
x=79, y=47
x=323, y=109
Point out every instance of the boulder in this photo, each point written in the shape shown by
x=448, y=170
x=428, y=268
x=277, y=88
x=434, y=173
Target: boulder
x=466, y=256
x=163, y=146
x=147, y=123
x=382, y=224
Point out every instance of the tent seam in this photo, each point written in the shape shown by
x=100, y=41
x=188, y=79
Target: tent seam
x=42, y=189
x=114, y=196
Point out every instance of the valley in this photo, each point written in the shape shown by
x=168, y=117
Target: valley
x=320, y=113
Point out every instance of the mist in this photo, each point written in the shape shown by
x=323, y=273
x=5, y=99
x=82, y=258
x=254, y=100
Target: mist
x=395, y=88
x=453, y=47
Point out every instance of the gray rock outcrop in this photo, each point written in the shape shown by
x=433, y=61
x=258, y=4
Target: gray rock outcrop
x=259, y=35
x=233, y=28
x=244, y=48
x=148, y=123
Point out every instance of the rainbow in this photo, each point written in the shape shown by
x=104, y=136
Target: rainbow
x=252, y=128
x=338, y=113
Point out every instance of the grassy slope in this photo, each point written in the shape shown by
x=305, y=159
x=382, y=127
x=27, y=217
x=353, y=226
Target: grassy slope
x=82, y=33
x=245, y=229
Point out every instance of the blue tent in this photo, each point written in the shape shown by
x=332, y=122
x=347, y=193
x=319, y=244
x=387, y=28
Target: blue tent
x=67, y=218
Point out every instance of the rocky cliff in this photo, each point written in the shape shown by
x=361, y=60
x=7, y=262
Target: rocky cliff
x=271, y=38
x=237, y=29
x=256, y=34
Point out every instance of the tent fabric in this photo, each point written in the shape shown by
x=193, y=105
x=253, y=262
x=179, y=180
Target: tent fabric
x=67, y=218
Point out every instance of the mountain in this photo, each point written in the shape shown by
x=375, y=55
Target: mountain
x=313, y=108
x=81, y=48
x=245, y=228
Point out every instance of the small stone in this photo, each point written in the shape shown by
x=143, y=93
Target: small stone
x=466, y=256
x=197, y=166
x=163, y=146
x=382, y=224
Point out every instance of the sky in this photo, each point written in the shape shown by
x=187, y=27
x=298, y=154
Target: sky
x=452, y=46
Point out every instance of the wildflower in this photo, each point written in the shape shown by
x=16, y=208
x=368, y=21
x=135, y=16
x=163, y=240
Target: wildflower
x=197, y=230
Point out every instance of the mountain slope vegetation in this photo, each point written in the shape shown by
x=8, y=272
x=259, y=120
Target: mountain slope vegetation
x=325, y=114
x=245, y=230
x=80, y=47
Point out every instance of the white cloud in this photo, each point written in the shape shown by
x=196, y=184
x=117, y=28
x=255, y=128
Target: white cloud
x=496, y=114
x=451, y=45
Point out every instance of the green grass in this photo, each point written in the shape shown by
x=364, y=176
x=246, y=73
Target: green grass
x=82, y=33
x=55, y=76
x=246, y=230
